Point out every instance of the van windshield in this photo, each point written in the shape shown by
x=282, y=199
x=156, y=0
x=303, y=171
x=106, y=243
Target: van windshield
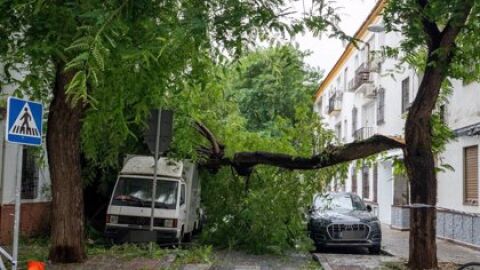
x=138, y=192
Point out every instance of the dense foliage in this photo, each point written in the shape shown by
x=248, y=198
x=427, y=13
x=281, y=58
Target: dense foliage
x=265, y=212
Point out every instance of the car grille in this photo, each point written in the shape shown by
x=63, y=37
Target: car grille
x=143, y=221
x=352, y=231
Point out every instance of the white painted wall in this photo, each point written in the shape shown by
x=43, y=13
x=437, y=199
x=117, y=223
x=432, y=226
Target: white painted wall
x=450, y=183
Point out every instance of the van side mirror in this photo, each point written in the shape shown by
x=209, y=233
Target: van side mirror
x=369, y=208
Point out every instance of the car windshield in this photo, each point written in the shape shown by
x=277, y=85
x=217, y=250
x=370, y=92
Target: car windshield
x=343, y=202
x=138, y=192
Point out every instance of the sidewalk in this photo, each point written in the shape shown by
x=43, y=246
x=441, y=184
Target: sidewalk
x=396, y=243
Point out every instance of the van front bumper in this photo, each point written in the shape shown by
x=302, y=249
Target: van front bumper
x=135, y=235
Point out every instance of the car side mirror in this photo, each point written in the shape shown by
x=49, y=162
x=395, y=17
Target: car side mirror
x=369, y=208
x=310, y=210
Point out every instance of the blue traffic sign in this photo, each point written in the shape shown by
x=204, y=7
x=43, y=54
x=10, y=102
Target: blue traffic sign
x=24, y=122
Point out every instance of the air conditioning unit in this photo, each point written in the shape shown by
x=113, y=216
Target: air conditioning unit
x=376, y=60
x=370, y=91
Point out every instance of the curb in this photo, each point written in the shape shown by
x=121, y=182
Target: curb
x=388, y=253
x=317, y=257
x=203, y=266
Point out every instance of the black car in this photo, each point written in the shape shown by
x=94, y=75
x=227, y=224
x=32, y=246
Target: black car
x=342, y=219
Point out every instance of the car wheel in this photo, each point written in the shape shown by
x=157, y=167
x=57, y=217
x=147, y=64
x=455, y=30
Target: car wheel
x=319, y=248
x=374, y=250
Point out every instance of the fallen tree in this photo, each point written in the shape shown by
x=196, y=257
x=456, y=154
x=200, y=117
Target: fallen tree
x=244, y=162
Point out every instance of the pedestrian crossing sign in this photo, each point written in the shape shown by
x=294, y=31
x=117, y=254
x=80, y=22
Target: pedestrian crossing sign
x=24, y=122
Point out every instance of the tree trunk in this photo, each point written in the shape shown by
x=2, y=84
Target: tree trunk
x=63, y=146
x=419, y=161
x=420, y=166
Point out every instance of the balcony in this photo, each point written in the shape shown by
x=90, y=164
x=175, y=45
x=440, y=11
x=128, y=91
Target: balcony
x=335, y=103
x=363, y=133
x=362, y=82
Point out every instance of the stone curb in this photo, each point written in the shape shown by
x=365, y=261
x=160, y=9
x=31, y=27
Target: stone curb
x=322, y=261
x=203, y=266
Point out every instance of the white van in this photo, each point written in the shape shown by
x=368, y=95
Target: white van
x=177, y=203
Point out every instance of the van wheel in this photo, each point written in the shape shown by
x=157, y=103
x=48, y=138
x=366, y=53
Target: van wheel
x=187, y=237
x=180, y=238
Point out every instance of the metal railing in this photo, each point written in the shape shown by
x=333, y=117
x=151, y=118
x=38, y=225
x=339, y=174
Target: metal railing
x=362, y=75
x=335, y=102
x=363, y=133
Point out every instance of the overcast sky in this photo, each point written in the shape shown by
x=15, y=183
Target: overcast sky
x=326, y=51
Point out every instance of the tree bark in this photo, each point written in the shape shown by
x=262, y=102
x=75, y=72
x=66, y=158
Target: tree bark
x=63, y=146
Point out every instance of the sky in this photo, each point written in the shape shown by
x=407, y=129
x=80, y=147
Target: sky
x=326, y=51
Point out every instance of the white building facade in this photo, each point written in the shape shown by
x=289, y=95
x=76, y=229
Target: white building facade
x=365, y=94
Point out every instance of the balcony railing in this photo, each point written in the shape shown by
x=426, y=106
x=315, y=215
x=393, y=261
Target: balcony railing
x=363, y=133
x=335, y=102
x=362, y=75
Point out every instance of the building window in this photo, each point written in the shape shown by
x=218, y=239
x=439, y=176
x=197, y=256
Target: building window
x=345, y=127
x=381, y=106
x=319, y=104
x=345, y=81
x=375, y=183
x=338, y=131
x=443, y=113
x=405, y=94
x=182, y=195
x=401, y=190
x=365, y=183
x=470, y=175
x=29, y=175
x=354, y=119
x=354, y=181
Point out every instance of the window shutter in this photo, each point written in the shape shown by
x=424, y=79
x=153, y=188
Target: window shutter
x=375, y=182
x=381, y=106
x=365, y=183
x=405, y=94
x=354, y=181
x=471, y=175
x=354, y=120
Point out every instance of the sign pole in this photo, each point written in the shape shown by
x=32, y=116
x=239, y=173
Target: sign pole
x=155, y=167
x=18, y=194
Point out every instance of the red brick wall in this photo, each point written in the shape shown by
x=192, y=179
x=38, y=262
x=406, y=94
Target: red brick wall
x=34, y=220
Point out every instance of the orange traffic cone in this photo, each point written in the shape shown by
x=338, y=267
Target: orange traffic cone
x=34, y=265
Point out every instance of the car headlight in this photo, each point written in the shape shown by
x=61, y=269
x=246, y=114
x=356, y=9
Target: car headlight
x=374, y=224
x=113, y=219
x=322, y=222
x=170, y=223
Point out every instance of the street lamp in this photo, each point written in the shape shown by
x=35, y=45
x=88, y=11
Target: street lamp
x=376, y=28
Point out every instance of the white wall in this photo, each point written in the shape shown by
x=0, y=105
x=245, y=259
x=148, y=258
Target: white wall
x=450, y=183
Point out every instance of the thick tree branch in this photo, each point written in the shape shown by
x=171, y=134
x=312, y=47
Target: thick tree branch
x=244, y=162
x=456, y=24
x=429, y=27
x=440, y=56
x=332, y=155
x=217, y=148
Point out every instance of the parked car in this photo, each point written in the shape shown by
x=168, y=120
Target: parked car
x=343, y=220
